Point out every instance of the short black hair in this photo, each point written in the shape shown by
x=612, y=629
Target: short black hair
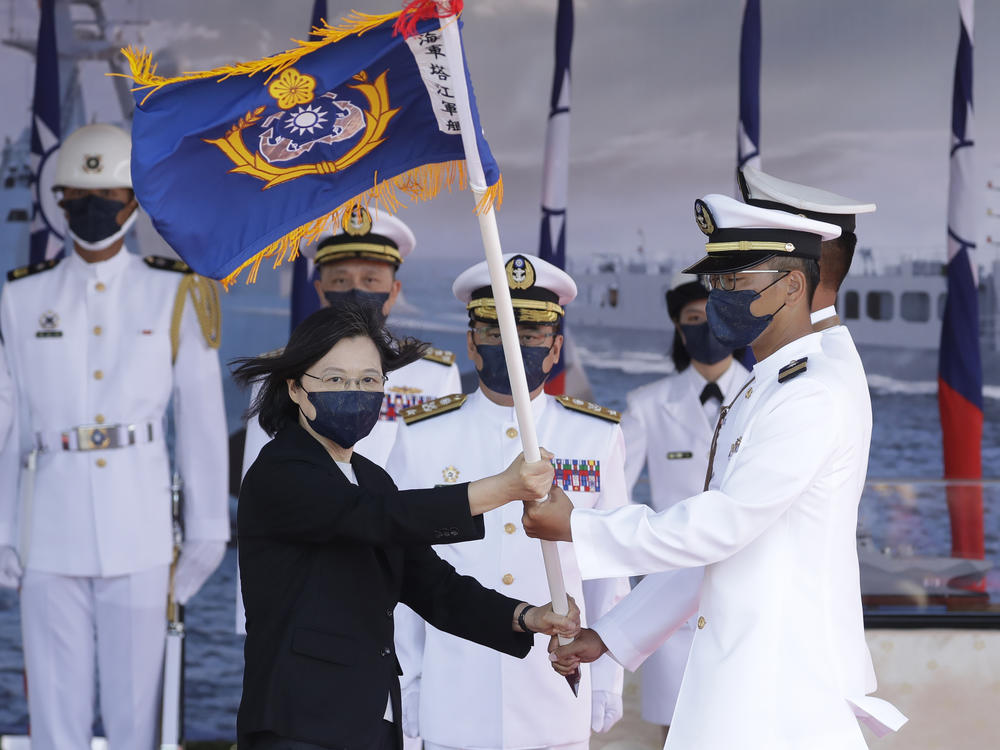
x=309, y=342
x=808, y=266
x=835, y=260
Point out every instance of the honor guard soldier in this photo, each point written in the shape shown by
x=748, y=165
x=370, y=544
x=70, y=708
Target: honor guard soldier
x=98, y=344
x=358, y=264
x=668, y=426
x=458, y=694
x=775, y=660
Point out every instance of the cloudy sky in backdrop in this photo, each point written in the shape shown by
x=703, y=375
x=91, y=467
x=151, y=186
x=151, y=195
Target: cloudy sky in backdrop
x=855, y=98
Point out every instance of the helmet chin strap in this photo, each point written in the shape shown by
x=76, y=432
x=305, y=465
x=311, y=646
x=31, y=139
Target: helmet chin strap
x=109, y=240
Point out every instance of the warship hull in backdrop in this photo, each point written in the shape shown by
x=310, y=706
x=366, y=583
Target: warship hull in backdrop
x=894, y=314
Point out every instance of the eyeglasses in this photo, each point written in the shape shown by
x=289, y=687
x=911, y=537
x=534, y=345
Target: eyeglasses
x=491, y=336
x=340, y=383
x=727, y=281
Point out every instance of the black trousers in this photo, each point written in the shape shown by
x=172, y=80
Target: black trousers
x=386, y=740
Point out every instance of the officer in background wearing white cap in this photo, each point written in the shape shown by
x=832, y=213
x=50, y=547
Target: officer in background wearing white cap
x=458, y=694
x=774, y=661
x=358, y=264
x=98, y=344
x=668, y=426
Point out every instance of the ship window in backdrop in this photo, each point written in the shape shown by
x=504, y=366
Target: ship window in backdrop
x=852, y=306
x=942, y=299
x=915, y=307
x=878, y=305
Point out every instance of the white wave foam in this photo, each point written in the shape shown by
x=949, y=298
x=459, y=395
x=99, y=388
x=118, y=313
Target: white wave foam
x=886, y=384
x=632, y=362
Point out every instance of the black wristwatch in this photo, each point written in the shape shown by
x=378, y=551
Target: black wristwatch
x=520, y=619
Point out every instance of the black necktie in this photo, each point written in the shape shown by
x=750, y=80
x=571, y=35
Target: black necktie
x=711, y=390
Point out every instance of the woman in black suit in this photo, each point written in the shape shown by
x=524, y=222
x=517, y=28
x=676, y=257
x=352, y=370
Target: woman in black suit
x=328, y=546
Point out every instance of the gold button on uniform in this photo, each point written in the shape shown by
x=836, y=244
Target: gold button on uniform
x=97, y=330
x=511, y=432
x=98, y=374
x=509, y=528
x=101, y=463
x=99, y=286
x=701, y=623
x=99, y=419
x=507, y=579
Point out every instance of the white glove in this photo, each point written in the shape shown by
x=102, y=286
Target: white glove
x=197, y=562
x=10, y=568
x=605, y=711
x=411, y=709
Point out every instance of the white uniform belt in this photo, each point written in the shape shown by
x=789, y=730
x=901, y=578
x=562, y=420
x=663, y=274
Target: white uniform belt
x=91, y=437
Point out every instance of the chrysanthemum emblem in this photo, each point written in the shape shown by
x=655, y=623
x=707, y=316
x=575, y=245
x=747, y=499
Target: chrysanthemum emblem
x=292, y=88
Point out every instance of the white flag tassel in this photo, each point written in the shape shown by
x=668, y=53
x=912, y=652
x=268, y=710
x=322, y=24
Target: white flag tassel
x=501, y=296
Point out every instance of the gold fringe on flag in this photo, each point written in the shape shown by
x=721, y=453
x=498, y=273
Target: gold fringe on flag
x=418, y=184
x=143, y=69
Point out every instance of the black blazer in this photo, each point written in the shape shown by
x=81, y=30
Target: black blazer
x=323, y=563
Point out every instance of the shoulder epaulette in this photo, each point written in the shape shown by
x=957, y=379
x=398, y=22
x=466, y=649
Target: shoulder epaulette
x=441, y=356
x=433, y=408
x=792, y=369
x=167, y=264
x=23, y=271
x=589, y=407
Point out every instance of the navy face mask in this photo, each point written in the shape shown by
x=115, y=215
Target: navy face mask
x=373, y=300
x=494, y=372
x=92, y=218
x=702, y=344
x=345, y=416
x=730, y=318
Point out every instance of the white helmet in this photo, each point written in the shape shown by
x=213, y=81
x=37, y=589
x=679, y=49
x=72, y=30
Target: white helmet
x=95, y=156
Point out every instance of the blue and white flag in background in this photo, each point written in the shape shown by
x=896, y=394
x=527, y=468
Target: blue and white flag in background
x=748, y=130
x=47, y=219
x=305, y=301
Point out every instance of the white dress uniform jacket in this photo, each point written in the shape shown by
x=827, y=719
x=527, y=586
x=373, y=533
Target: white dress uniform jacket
x=470, y=696
x=89, y=344
x=6, y=399
x=669, y=430
x=774, y=662
x=426, y=379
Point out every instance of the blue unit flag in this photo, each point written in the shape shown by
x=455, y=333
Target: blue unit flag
x=242, y=163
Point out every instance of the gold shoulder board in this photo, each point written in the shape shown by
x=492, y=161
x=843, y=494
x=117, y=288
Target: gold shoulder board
x=167, y=264
x=24, y=271
x=792, y=369
x=433, y=408
x=440, y=356
x=589, y=407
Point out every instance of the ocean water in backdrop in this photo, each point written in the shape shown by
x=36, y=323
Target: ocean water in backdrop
x=906, y=443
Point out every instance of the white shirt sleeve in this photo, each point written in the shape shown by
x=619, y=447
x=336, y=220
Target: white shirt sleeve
x=787, y=449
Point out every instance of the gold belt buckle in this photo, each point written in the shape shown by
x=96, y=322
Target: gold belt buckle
x=96, y=437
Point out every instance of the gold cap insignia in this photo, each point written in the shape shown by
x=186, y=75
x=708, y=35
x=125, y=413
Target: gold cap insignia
x=520, y=273
x=703, y=215
x=358, y=221
x=92, y=163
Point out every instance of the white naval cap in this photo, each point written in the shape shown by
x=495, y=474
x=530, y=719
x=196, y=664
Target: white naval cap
x=766, y=191
x=366, y=234
x=741, y=235
x=538, y=289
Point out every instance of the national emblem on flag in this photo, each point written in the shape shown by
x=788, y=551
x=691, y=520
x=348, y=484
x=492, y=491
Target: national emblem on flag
x=242, y=163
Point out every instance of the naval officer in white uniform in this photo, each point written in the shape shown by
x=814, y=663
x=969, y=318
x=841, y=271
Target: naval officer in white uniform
x=775, y=660
x=358, y=264
x=668, y=426
x=98, y=344
x=6, y=399
x=457, y=694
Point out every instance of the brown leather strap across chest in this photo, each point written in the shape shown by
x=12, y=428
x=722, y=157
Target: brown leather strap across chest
x=718, y=428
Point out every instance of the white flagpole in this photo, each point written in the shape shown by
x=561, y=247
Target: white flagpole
x=501, y=296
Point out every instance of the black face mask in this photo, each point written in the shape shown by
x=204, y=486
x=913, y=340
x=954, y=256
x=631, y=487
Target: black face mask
x=372, y=300
x=702, y=344
x=92, y=218
x=494, y=372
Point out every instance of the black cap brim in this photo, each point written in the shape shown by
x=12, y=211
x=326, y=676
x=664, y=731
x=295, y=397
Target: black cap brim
x=729, y=262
